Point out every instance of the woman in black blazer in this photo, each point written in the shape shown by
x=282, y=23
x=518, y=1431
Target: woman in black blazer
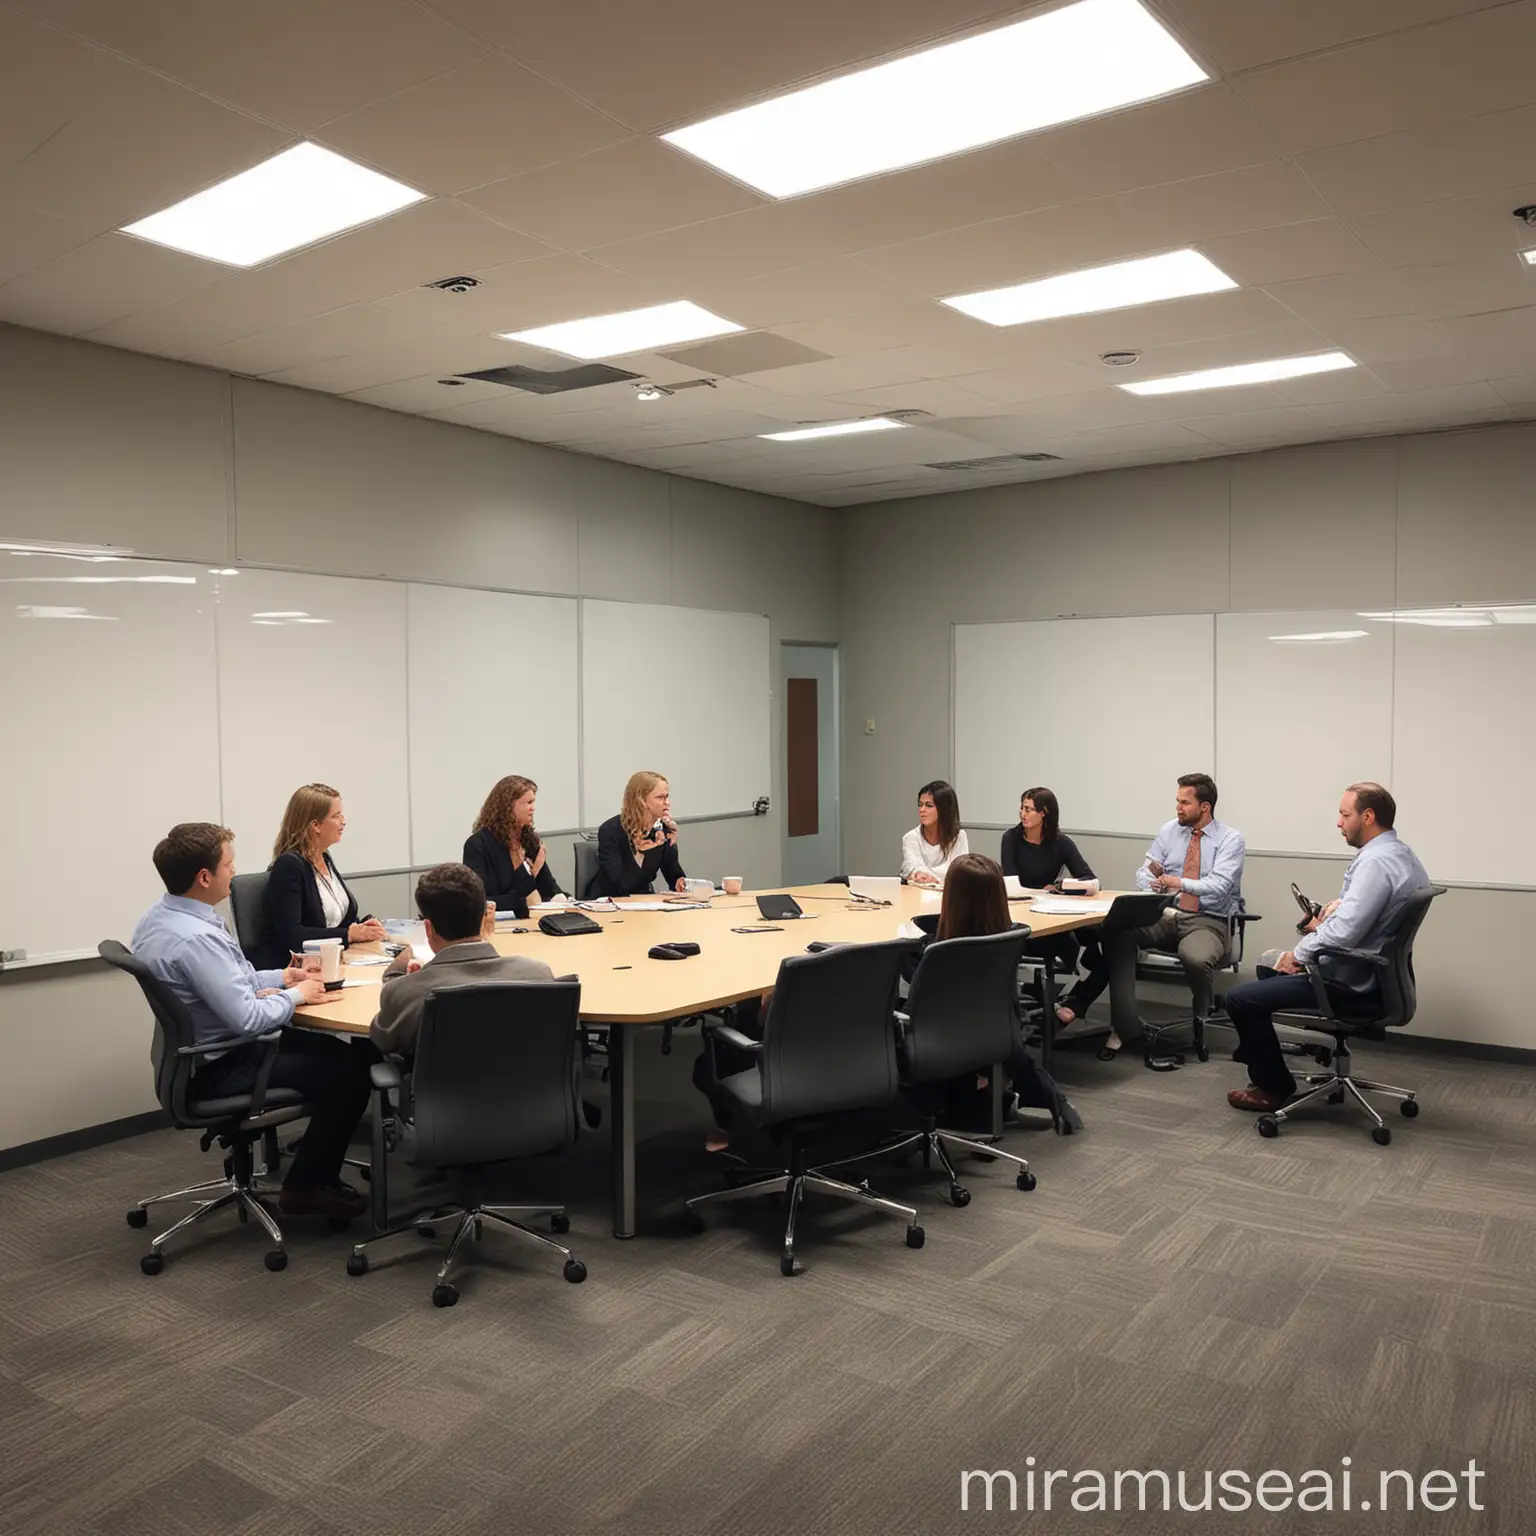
x=637, y=843
x=306, y=898
x=505, y=851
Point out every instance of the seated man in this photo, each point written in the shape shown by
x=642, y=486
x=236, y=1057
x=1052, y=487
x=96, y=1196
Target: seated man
x=1382, y=875
x=185, y=943
x=1207, y=889
x=451, y=901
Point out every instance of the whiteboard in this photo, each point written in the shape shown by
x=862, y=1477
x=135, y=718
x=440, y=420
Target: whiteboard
x=312, y=687
x=1463, y=744
x=110, y=738
x=493, y=678
x=1106, y=712
x=1303, y=708
x=683, y=691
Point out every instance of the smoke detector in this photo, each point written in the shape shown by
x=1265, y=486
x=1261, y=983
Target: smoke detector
x=454, y=284
x=651, y=392
x=1119, y=359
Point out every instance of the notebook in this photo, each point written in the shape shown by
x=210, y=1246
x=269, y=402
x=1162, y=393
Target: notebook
x=884, y=888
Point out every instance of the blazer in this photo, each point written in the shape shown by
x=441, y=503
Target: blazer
x=509, y=888
x=398, y=1021
x=619, y=875
x=293, y=912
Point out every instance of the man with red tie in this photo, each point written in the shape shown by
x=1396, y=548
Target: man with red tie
x=1198, y=862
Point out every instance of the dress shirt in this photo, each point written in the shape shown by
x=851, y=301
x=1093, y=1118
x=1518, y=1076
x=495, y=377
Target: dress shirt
x=917, y=853
x=1222, y=850
x=1380, y=878
x=186, y=945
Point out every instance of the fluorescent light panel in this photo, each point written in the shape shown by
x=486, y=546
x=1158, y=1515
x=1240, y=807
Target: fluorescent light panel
x=1528, y=257
x=1147, y=280
x=293, y=199
x=1243, y=373
x=833, y=429
x=1074, y=62
x=631, y=330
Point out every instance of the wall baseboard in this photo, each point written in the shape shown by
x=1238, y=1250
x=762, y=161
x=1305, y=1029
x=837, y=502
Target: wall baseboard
x=82, y=1140
x=1475, y=1050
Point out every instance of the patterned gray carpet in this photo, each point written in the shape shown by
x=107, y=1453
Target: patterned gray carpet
x=1176, y=1294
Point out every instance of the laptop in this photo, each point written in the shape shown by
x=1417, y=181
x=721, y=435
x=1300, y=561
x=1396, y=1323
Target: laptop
x=884, y=888
x=1014, y=887
x=778, y=909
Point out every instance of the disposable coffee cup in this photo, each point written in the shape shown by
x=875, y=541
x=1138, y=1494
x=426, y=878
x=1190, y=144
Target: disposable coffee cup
x=732, y=885
x=699, y=890
x=488, y=922
x=329, y=953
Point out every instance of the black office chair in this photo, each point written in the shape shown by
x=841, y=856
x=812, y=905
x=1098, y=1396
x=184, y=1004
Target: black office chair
x=1162, y=966
x=237, y=1122
x=247, y=905
x=828, y=1050
x=495, y=1078
x=585, y=851
x=1344, y=1018
x=959, y=1019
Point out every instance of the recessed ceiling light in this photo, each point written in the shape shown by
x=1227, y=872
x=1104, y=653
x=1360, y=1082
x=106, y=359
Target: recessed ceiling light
x=280, y=615
x=1323, y=637
x=1528, y=257
x=631, y=330
x=1074, y=62
x=293, y=199
x=1147, y=280
x=834, y=429
x=1243, y=373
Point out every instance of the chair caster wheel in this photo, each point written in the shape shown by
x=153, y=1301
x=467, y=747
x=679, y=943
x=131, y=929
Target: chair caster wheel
x=1409, y=1110
x=959, y=1195
x=1204, y=1053
x=152, y=1263
x=1335, y=1098
x=364, y=1174
x=559, y=1223
x=244, y=1214
x=357, y=1263
x=444, y=1295
x=137, y=1218
x=1026, y=1180
x=915, y=1236
x=1381, y=1135
x=275, y=1260
x=575, y=1271
x=1269, y=1127
x=789, y=1265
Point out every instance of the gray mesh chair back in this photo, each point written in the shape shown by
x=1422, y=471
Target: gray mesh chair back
x=829, y=1038
x=496, y=1073
x=173, y=1032
x=585, y=851
x=247, y=905
x=961, y=1011
x=1399, y=988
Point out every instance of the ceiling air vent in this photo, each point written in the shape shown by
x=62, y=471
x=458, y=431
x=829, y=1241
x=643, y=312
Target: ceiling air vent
x=559, y=381
x=998, y=460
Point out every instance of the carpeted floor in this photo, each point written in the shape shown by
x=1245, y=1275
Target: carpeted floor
x=1176, y=1294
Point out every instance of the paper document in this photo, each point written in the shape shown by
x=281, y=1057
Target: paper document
x=363, y=981
x=1060, y=906
x=368, y=960
x=554, y=904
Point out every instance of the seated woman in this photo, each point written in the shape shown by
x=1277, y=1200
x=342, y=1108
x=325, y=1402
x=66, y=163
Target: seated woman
x=938, y=837
x=505, y=851
x=639, y=842
x=306, y=898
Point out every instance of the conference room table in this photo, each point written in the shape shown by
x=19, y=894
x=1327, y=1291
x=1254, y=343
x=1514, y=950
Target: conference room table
x=624, y=991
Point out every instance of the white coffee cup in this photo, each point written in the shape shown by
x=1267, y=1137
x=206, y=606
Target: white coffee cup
x=732, y=885
x=329, y=951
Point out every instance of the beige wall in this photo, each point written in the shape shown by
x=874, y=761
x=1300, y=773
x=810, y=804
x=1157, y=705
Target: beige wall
x=105, y=447
x=1376, y=523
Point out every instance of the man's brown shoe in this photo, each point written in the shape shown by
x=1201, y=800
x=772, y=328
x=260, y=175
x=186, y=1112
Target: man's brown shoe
x=1257, y=1100
x=338, y=1200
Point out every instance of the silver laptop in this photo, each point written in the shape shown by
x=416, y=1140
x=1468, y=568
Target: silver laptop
x=1014, y=887
x=886, y=888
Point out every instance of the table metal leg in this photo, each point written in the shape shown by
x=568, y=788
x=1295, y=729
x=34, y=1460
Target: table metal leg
x=621, y=1085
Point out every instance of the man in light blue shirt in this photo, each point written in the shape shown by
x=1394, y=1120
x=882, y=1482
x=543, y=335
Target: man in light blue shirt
x=1383, y=875
x=1197, y=863
x=185, y=943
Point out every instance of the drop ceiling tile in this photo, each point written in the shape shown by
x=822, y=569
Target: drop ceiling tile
x=1456, y=403
x=1241, y=36
x=1454, y=229
x=1345, y=296
x=1518, y=391
x=1391, y=338
x=810, y=292
x=1292, y=339
x=1288, y=253
x=1327, y=388
x=297, y=62
x=480, y=123
x=423, y=393
x=101, y=281
x=834, y=375
x=1257, y=429
x=30, y=238
x=1420, y=373
x=1471, y=287
x=876, y=330
x=744, y=353
x=1472, y=64
x=339, y=333
x=1504, y=341
x=637, y=187
x=941, y=398
x=1020, y=383
x=339, y=375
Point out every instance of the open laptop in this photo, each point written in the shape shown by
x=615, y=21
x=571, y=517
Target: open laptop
x=1014, y=887
x=883, y=888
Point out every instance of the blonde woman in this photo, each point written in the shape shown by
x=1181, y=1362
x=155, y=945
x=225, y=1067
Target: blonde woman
x=306, y=898
x=640, y=841
x=505, y=851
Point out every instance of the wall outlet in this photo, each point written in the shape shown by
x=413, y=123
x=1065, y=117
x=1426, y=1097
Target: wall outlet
x=869, y=726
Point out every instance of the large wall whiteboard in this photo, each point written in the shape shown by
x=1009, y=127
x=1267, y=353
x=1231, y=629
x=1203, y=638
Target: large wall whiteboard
x=682, y=691
x=1106, y=712
x=492, y=691
x=1303, y=707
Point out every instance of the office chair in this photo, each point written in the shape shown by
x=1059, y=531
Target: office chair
x=828, y=1050
x=247, y=905
x=1163, y=966
x=959, y=1019
x=495, y=1078
x=1367, y=1019
x=237, y=1122
x=585, y=850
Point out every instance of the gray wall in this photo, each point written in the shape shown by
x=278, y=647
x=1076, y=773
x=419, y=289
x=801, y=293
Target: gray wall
x=1376, y=523
x=107, y=447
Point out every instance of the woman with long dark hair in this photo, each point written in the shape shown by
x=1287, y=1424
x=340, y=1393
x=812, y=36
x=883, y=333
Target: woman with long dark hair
x=937, y=839
x=506, y=852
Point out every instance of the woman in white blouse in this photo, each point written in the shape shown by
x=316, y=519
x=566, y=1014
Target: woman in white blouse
x=938, y=837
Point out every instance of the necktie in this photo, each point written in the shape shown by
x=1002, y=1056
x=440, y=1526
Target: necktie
x=1189, y=902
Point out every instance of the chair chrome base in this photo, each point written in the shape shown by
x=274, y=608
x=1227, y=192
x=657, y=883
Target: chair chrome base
x=471, y=1223
x=244, y=1194
x=794, y=1184
x=1334, y=1087
x=935, y=1142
